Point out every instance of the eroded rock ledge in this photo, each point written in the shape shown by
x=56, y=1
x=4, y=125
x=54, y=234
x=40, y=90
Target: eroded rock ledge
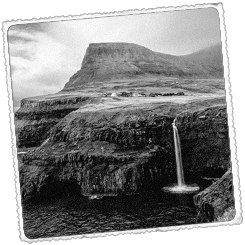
x=124, y=152
x=35, y=118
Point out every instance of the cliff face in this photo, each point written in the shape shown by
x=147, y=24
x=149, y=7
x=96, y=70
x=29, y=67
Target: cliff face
x=34, y=119
x=124, y=153
x=205, y=141
x=103, y=153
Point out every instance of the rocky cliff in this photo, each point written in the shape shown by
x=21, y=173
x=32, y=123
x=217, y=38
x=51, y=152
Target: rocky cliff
x=205, y=141
x=125, y=153
x=81, y=142
x=213, y=202
x=35, y=118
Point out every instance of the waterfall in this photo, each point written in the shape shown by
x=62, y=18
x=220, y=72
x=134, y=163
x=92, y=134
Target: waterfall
x=45, y=142
x=181, y=187
x=178, y=157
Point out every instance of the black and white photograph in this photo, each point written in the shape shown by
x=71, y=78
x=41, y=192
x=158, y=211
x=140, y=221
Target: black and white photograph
x=122, y=122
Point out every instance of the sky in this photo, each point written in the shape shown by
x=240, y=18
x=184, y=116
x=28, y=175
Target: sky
x=44, y=55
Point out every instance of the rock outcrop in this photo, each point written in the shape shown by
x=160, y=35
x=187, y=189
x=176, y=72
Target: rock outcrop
x=205, y=141
x=123, y=153
x=213, y=202
x=35, y=118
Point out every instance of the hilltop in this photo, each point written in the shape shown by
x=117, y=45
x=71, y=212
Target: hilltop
x=104, y=63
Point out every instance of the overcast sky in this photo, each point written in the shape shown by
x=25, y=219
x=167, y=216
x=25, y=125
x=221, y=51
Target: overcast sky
x=43, y=56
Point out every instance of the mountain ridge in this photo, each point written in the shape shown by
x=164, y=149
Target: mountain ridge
x=115, y=61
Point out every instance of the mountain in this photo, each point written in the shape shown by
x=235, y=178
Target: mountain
x=209, y=59
x=104, y=62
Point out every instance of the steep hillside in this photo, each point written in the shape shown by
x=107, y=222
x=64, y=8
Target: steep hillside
x=209, y=59
x=104, y=62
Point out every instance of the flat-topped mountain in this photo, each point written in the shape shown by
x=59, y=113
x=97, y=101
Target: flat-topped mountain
x=104, y=62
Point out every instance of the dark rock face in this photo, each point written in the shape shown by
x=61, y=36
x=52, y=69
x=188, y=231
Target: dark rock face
x=216, y=199
x=124, y=153
x=205, y=141
x=95, y=173
x=34, y=120
x=31, y=135
x=128, y=129
x=103, y=153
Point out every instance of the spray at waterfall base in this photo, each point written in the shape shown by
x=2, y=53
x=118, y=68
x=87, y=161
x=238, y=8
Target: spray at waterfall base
x=181, y=187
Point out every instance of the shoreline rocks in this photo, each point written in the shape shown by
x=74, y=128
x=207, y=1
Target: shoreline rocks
x=214, y=201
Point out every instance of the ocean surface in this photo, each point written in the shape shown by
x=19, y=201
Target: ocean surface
x=81, y=215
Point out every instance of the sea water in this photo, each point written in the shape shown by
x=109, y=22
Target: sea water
x=81, y=215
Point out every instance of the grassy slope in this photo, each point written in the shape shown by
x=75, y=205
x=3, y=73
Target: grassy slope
x=104, y=63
